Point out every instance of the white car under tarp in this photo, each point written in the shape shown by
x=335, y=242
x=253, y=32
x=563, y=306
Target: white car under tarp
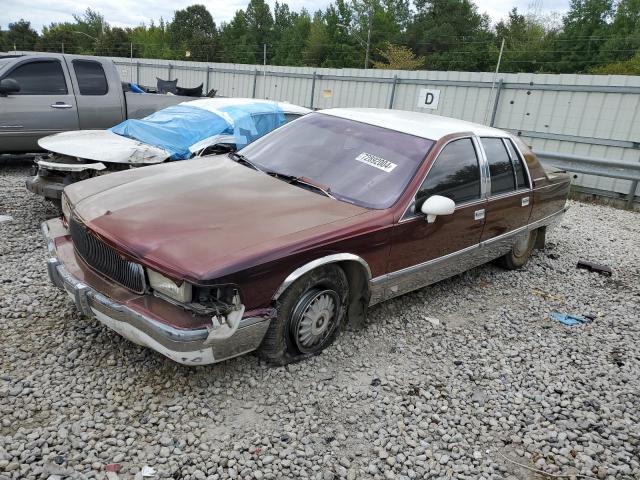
x=179, y=132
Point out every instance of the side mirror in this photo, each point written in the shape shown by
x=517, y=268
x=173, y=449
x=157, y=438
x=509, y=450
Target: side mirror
x=7, y=86
x=437, y=205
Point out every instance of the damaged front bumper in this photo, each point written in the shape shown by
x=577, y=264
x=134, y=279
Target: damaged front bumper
x=143, y=319
x=50, y=178
x=48, y=187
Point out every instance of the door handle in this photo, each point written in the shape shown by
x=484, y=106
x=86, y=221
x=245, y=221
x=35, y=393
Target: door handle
x=525, y=201
x=478, y=214
x=61, y=105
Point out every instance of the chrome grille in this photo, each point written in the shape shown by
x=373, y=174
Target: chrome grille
x=105, y=259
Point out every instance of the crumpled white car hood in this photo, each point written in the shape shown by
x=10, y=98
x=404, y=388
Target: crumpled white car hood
x=103, y=146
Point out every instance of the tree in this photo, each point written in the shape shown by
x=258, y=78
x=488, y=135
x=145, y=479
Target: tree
x=259, y=24
x=398, y=57
x=193, y=30
x=4, y=45
x=236, y=43
x=21, y=36
x=389, y=19
x=452, y=35
x=153, y=41
x=585, y=27
x=624, y=40
x=59, y=35
x=528, y=43
x=628, y=67
x=288, y=49
x=331, y=42
x=315, y=51
x=116, y=42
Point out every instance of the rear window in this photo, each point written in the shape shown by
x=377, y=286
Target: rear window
x=91, y=77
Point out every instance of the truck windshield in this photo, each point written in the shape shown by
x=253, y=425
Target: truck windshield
x=358, y=163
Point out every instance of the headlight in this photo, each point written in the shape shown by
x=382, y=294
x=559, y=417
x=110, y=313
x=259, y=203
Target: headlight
x=66, y=208
x=168, y=287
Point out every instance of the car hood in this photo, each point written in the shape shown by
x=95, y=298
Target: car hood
x=206, y=218
x=103, y=146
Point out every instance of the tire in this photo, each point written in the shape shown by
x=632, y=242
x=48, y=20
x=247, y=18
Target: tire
x=311, y=313
x=520, y=252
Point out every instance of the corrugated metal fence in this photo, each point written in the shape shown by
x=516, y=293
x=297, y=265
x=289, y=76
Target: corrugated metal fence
x=586, y=115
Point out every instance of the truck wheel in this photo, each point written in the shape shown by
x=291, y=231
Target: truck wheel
x=310, y=315
x=519, y=253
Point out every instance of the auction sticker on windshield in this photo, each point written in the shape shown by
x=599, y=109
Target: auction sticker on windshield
x=375, y=161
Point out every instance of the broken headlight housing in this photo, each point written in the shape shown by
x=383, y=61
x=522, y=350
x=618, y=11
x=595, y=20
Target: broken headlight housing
x=164, y=285
x=215, y=299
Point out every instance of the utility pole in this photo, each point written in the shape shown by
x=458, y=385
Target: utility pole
x=366, y=56
x=493, y=82
x=131, y=62
x=62, y=47
x=264, y=69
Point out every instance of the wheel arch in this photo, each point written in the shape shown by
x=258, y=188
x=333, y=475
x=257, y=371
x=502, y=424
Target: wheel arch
x=358, y=275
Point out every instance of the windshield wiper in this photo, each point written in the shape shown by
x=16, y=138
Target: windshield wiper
x=239, y=158
x=293, y=180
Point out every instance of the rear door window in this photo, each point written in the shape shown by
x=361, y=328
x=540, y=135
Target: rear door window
x=521, y=174
x=455, y=174
x=40, y=78
x=91, y=77
x=500, y=167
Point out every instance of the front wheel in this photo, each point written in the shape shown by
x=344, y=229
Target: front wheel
x=520, y=252
x=311, y=313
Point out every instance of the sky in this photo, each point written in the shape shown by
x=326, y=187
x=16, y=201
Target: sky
x=131, y=13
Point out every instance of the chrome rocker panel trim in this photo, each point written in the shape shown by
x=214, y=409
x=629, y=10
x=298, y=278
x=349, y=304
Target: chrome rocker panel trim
x=418, y=276
x=186, y=346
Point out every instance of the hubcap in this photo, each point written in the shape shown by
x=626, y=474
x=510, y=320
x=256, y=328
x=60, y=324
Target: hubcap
x=521, y=246
x=314, y=319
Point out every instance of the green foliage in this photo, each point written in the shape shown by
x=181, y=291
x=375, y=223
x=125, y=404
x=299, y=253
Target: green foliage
x=153, y=41
x=528, y=43
x=59, y=36
x=236, y=43
x=259, y=23
x=584, y=27
x=194, y=33
x=397, y=57
x=292, y=37
x=596, y=36
x=628, y=67
x=21, y=36
x=452, y=35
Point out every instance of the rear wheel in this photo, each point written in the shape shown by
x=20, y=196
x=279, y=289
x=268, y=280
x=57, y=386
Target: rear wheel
x=520, y=252
x=311, y=313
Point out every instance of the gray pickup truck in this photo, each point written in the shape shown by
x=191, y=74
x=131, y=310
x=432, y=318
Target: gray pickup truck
x=43, y=94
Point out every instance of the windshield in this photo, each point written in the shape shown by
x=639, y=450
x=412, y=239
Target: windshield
x=358, y=163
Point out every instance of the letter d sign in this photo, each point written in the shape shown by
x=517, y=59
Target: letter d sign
x=428, y=98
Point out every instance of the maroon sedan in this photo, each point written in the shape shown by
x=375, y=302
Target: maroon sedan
x=276, y=247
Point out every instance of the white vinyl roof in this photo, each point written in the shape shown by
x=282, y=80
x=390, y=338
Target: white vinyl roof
x=216, y=103
x=424, y=125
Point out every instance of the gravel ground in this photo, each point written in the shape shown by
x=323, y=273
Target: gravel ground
x=491, y=383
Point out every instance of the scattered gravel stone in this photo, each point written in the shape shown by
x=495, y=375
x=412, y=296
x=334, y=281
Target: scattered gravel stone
x=492, y=384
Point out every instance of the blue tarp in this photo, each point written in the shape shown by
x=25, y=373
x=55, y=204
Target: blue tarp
x=176, y=128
